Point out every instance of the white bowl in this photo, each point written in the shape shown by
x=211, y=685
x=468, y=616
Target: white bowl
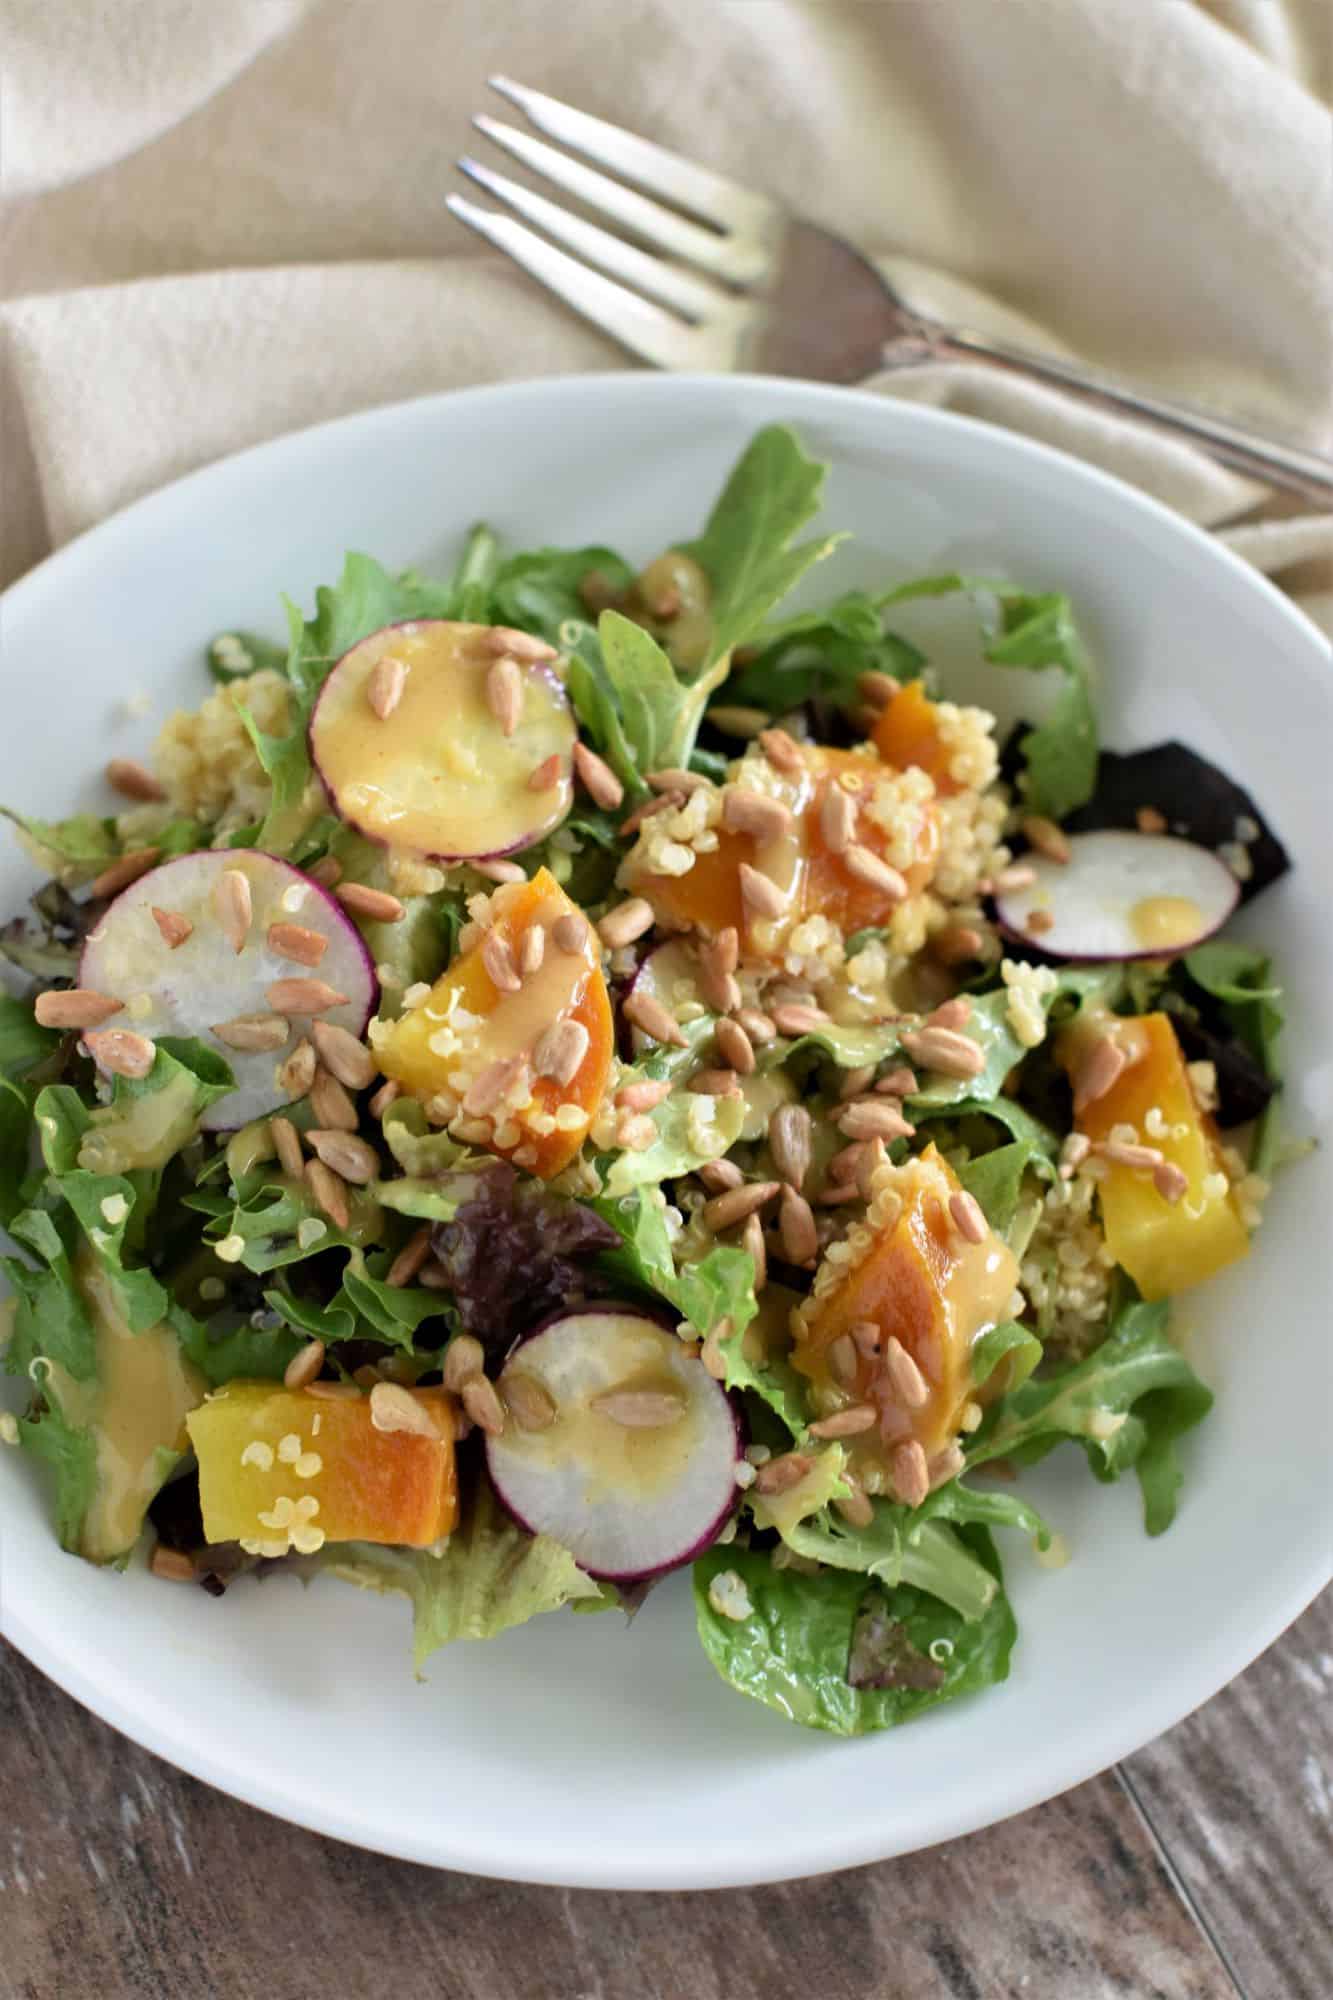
x=574, y=1750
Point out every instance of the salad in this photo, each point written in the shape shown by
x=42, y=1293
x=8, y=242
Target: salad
x=563, y=1071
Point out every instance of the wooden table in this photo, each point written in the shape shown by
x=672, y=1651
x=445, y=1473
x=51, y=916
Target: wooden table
x=1201, y=1869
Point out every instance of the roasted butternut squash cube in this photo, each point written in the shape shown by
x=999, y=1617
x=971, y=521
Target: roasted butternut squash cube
x=1166, y=1246
x=908, y=734
x=895, y=1322
x=290, y=1468
x=805, y=858
x=517, y=1059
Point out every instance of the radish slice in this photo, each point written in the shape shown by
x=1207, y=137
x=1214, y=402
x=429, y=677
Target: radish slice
x=1121, y=895
x=637, y=1471
x=437, y=773
x=203, y=981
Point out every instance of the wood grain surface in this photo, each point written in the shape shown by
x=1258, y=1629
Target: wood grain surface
x=1199, y=1870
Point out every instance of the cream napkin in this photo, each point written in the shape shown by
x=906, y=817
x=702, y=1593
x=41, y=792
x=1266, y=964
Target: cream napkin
x=223, y=223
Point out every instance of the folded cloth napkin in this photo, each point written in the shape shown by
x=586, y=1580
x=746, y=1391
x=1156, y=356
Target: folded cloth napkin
x=223, y=223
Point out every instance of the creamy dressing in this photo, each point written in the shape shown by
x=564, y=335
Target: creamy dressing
x=1160, y=923
x=134, y=1406
x=612, y=1458
x=438, y=775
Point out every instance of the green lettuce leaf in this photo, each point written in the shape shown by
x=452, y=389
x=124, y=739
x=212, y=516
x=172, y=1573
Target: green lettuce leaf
x=222, y=1353
x=1127, y=1403
x=659, y=711
x=806, y=1635
x=690, y=1130
x=149, y=1119
x=74, y=849
x=490, y=1575
x=822, y=655
x=23, y=1043
x=235, y=655
x=1241, y=979
x=71, y=1455
x=539, y=591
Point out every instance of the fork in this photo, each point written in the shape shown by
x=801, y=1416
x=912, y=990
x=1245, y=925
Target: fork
x=738, y=282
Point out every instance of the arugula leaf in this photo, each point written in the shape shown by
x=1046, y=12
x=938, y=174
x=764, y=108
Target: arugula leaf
x=490, y=1575
x=660, y=712
x=221, y=1355
x=1240, y=978
x=996, y=1180
x=74, y=849
x=746, y=548
x=1035, y=632
x=821, y=656
x=15, y=1139
x=276, y=1222
x=1127, y=1402
x=394, y=1313
x=795, y=1650
x=149, y=1118
x=474, y=578
x=539, y=591
x=1011, y=1342
x=330, y=1323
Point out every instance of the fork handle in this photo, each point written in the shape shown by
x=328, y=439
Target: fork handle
x=1308, y=473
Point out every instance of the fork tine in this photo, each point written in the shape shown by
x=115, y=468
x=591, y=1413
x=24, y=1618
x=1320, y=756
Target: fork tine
x=727, y=257
x=723, y=202
x=665, y=282
x=644, y=328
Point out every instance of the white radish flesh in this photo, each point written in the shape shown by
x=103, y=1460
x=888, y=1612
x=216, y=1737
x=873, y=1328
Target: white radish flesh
x=1121, y=895
x=193, y=987
x=474, y=757
x=627, y=1496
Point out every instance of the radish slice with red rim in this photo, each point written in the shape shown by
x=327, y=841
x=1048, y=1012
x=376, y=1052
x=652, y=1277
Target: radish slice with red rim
x=636, y=1470
x=195, y=986
x=1120, y=895
x=426, y=738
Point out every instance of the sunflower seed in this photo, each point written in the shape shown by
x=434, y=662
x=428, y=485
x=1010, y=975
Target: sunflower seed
x=735, y=720
x=384, y=1097
x=876, y=688
x=532, y=951
x=76, y=1007
x=1099, y=1068
x=394, y=1408
x=519, y=645
x=483, y=1405
x=121, y=873
x=683, y=782
x=377, y=906
x=843, y=1365
x=874, y=1118
x=571, y=933
x=1047, y=838
x=837, y=819
x=761, y=1028
x=945, y=1465
x=789, y=1141
x=734, y=1204
x=746, y=811
x=649, y=1014
x=560, y=1051
x=714, y=1083
x=384, y=688
x=173, y=926
x=121, y=1053
x=752, y=1242
x=294, y=941
x=640, y=1409
x=498, y=960
x=719, y=1175
x=871, y=869
x=343, y=1055
x=134, y=781
x=846, y=1423
x=464, y=1357
x=296, y=1075
x=968, y=1218
x=911, y=1475
x=332, y=1107
x=303, y=1367
x=351, y=1158
x=899, y=1082
x=493, y=1083
x=734, y=1046
x=944, y=1050
x=760, y=893
x=410, y=1259
x=504, y=693
x=779, y=1475
x=499, y=870
x=625, y=923
x=303, y=996
x=644, y=1095
x=909, y=1385
x=855, y=1505
x=1170, y=1181
x=796, y=1226
x=597, y=778
x=782, y=751
x=234, y=907
x=287, y=1145
x=790, y=1018
x=956, y=943
x=955, y=1013
x=328, y=1191
x=544, y=777
x=527, y=1400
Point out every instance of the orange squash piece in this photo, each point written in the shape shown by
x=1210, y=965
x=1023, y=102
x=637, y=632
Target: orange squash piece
x=919, y=1281
x=708, y=897
x=469, y=1023
x=1165, y=1246
x=907, y=734
x=287, y=1467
